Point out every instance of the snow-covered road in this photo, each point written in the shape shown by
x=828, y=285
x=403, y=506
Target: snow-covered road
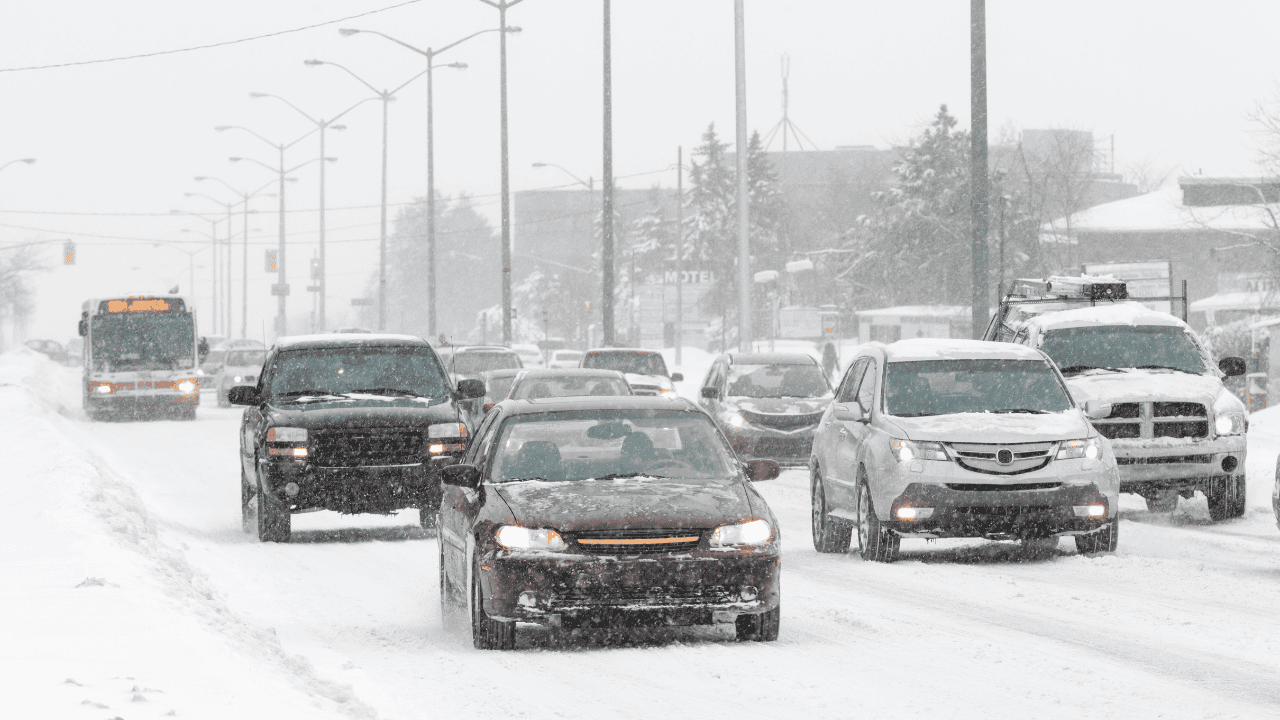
x=1181, y=622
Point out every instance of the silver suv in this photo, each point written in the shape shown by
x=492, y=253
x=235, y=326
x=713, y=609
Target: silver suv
x=959, y=438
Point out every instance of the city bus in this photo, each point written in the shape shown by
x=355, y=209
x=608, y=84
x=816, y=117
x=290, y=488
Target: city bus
x=141, y=355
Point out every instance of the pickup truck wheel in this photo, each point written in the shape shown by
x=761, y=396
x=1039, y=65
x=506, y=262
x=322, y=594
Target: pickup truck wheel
x=1163, y=501
x=274, y=520
x=1104, y=540
x=759, y=628
x=487, y=634
x=829, y=534
x=1226, y=497
x=246, y=504
x=875, y=542
x=1241, y=488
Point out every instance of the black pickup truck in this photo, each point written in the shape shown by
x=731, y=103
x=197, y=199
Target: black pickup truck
x=350, y=423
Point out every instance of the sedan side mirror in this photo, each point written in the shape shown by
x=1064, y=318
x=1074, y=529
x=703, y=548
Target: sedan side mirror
x=710, y=393
x=677, y=377
x=1232, y=366
x=244, y=395
x=758, y=470
x=1096, y=409
x=463, y=476
x=469, y=389
x=849, y=413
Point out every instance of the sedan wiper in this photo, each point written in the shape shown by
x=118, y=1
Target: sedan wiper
x=914, y=414
x=318, y=393
x=1071, y=369
x=1022, y=410
x=387, y=391
x=616, y=476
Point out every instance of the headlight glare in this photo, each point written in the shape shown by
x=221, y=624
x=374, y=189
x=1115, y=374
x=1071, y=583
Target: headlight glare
x=1231, y=423
x=514, y=537
x=186, y=386
x=1075, y=449
x=752, y=532
x=907, y=450
x=735, y=419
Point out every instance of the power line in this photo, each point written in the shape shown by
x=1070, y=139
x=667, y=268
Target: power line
x=206, y=47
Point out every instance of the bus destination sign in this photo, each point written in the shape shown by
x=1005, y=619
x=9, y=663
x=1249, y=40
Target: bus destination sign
x=142, y=304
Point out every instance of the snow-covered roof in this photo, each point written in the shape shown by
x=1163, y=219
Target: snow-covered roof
x=1163, y=210
x=1121, y=313
x=947, y=311
x=956, y=349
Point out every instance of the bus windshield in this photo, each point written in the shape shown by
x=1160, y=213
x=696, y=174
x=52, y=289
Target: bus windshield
x=143, y=341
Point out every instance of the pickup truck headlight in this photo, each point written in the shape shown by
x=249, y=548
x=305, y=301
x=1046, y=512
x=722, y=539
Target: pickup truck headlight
x=514, y=537
x=907, y=450
x=289, y=442
x=286, y=434
x=754, y=532
x=1231, y=423
x=1075, y=449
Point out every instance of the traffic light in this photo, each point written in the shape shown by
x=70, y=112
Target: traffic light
x=68, y=253
x=272, y=264
x=315, y=268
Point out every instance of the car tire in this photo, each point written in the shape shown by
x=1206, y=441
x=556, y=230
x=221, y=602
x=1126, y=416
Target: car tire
x=274, y=521
x=1226, y=497
x=488, y=634
x=1238, y=506
x=759, y=628
x=246, y=504
x=1102, y=541
x=829, y=534
x=1163, y=501
x=449, y=614
x=875, y=542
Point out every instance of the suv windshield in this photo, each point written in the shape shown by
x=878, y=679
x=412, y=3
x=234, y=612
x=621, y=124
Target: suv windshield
x=580, y=445
x=778, y=381
x=371, y=370
x=943, y=387
x=639, y=363
x=1123, y=346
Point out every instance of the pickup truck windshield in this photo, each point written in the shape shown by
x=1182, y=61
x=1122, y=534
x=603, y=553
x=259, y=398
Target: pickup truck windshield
x=1123, y=346
x=942, y=387
x=391, y=371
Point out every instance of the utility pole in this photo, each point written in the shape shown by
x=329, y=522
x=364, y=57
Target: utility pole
x=606, y=193
x=282, y=317
x=744, y=209
x=979, y=185
x=679, y=253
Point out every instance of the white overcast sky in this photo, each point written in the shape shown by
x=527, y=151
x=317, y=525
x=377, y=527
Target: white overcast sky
x=1172, y=81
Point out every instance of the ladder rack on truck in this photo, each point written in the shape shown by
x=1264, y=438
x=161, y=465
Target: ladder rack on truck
x=1082, y=291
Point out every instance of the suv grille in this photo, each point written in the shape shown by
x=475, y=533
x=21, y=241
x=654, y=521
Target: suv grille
x=633, y=542
x=373, y=446
x=1017, y=458
x=1155, y=419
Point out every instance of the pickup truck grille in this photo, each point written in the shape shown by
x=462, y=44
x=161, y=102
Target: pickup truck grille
x=368, y=447
x=1170, y=419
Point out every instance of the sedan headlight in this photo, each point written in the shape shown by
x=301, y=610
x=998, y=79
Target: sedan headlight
x=905, y=450
x=286, y=434
x=1075, y=449
x=514, y=537
x=754, y=532
x=1231, y=423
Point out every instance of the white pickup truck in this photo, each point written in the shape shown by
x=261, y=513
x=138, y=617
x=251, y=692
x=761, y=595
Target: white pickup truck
x=1174, y=426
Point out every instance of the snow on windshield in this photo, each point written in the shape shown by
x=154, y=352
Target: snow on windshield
x=778, y=381
x=593, y=444
x=371, y=370
x=1156, y=346
x=943, y=387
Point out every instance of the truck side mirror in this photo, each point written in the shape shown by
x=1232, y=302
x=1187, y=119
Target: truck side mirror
x=244, y=395
x=758, y=470
x=463, y=476
x=677, y=377
x=203, y=349
x=711, y=393
x=469, y=389
x=1232, y=366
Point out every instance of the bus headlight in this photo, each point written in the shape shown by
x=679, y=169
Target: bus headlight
x=186, y=387
x=101, y=388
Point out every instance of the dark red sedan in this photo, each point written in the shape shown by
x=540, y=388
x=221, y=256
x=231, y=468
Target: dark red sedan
x=606, y=512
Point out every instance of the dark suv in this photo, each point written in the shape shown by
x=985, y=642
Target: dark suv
x=351, y=423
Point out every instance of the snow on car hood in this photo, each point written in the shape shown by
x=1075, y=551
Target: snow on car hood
x=781, y=406
x=659, y=381
x=639, y=502
x=1144, y=385
x=995, y=427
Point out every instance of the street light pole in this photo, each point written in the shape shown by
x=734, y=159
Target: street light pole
x=606, y=196
x=745, y=327
x=679, y=253
x=213, y=262
x=244, y=258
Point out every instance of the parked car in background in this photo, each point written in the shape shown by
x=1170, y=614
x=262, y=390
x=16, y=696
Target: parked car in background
x=497, y=385
x=565, y=359
x=51, y=349
x=606, y=511
x=530, y=355
x=576, y=382
x=242, y=367
x=767, y=404
x=960, y=438
x=468, y=361
x=645, y=370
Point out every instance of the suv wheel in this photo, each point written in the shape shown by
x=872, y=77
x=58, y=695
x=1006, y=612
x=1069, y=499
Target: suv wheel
x=487, y=634
x=829, y=535
x=246, y=503
x=1163, y=501
x=875, y=542
x=1226, y=497
x=274, y=520
x=760, y=628
x=1104, y=540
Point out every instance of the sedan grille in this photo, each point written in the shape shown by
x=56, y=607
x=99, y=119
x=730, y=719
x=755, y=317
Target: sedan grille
x=614, y=596
x=1012, y=459
x=369, y=447
x=782, y=421
x=634, y=542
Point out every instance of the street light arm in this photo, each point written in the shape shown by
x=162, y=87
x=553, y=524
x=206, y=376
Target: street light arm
x=220, y=128
x=406, y=82
x=302, y=137
x=564, y=170
x=258, y=162
x=353, y=107
x=433, y=52
x=227, y=185
x=361, y=80
x=304, y=164
x=19, y=160
x=286, y=102
x=398, y=42
x=211, y=198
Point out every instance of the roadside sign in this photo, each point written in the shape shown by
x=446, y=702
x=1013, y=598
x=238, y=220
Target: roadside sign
x=278, y=289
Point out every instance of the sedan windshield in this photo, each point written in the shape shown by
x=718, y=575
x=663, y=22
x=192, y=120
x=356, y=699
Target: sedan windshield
x=638, y=363
x=943, y=387
x=545, y=386
x=606, y=444
x=1123, y=346
x=394, y=371
x=778, y=381
x=252, y=358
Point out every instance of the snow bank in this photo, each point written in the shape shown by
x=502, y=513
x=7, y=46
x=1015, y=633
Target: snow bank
x=103, y=616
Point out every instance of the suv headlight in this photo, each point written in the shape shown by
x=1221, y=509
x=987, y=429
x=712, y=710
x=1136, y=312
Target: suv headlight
x=1231, y=423
x=753, y=532
x=1075, y=449
x=514, y=537
x=906, y=450
x=286, y=434
x=287, y=442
